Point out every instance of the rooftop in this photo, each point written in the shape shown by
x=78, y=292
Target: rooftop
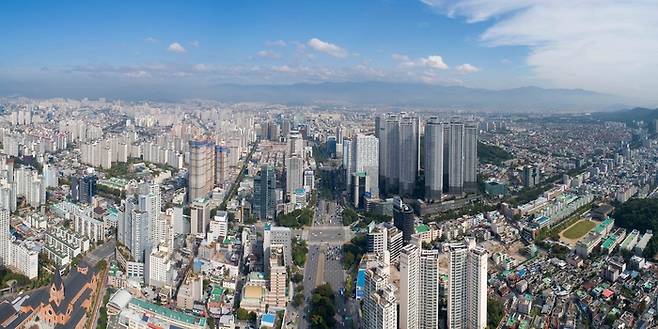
x=178, y=316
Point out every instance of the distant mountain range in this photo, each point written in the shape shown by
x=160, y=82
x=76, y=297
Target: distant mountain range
x=630, y=115
x=374, y=93
x=422, y=95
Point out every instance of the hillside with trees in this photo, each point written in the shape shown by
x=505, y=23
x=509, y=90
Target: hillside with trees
x=640, y=214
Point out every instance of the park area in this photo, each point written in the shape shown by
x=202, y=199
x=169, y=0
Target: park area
x=579, y=229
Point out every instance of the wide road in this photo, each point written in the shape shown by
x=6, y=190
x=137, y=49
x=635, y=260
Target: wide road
x=324, y=262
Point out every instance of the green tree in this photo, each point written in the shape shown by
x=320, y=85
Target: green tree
x=495, y=312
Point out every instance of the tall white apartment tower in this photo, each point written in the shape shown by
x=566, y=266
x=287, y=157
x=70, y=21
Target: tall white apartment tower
x=477, y=288
x=428, y=292
x=408, y=153
x=467, y=287
x=456, y=158
x=470, y=157
x=294, y=174
x=386, y=308
x=348, y=164
x=5, y=241
x=434, y=130
x=366, y=159
x=376, y=280
x=409, y=276
x=387, y=130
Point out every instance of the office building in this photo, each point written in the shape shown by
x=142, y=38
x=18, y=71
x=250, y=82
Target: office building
x=199, y=216
x=218, y=226
x=377, y=240
x=404, y=219
x=201, y=172
x=467, y=287
x=434, y=131
x=531, y=176
x=277, y=235
x=264, y=204
x=83, y=188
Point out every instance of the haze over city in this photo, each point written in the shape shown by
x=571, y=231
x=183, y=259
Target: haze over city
x=384, y=164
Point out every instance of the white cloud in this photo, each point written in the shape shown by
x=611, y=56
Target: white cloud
x=195, y=44
x=467, y=68
x=434, y=62
x=281, y=69
x=201, y=67
x=176, y=48
x=275, y=43
x=400, y=57
x=268, y=54
x=137, y=74
x=151, y=40
x=327, y=48
x=603, y=45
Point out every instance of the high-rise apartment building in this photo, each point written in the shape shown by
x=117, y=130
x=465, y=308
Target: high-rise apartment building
x=387, y=130
x=294, y=174
x=408, y=154
x=201, y=173
x=461, y=157
x=419, y=288
x=221, y=164
x=434, y=131
x=295, y=143
x=409, y=287
x=376, y=279
x=366, y=161
x=5, y=237
x=470, y=157
x=348, y=164
x=456, y=158
x=428, y=290
x=385, y=308
x=467, y=287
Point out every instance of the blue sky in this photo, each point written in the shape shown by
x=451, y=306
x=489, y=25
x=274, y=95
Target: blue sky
x=475, y=43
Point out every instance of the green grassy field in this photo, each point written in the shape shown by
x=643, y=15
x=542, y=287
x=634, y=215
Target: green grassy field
x=578, y=230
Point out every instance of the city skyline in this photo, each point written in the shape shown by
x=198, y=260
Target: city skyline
x=142, y=51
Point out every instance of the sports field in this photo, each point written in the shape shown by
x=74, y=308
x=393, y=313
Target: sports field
x=578, y=230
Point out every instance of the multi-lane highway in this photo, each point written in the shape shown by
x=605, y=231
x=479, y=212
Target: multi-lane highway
x=324, y=260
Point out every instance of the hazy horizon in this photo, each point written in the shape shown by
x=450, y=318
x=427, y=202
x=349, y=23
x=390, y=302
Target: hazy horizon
x=179, y=51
